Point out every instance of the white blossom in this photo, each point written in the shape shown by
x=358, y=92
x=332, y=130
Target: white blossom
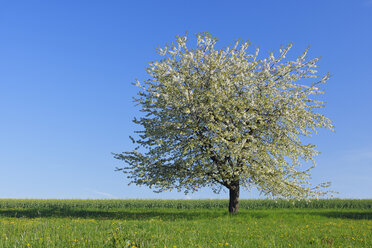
x=219, y=117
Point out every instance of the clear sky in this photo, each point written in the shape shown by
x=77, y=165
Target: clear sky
x=66, y=69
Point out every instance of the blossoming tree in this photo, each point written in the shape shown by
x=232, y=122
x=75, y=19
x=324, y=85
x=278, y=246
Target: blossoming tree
x=223, y=118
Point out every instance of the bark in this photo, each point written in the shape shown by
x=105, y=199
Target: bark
x=234, y=199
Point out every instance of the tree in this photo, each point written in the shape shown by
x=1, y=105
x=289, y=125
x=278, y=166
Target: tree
x=225, y=118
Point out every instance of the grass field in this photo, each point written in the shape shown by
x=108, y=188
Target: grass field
x=184, y=223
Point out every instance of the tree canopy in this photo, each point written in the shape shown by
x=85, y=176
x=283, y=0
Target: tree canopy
x=226, y=118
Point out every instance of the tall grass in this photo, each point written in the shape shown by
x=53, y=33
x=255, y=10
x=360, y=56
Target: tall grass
x=185, y=204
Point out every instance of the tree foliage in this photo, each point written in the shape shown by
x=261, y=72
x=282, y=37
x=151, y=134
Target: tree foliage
x=227, y=118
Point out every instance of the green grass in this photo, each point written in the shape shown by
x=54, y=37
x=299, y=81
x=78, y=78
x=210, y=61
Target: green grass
x=68, y=224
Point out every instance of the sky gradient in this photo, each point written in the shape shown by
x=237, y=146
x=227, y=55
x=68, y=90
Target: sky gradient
x=66, y=69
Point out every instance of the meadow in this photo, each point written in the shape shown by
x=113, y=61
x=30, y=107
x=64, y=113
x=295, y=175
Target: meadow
x=185, y=223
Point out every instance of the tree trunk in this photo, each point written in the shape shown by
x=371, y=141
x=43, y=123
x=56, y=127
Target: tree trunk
x=234, y=199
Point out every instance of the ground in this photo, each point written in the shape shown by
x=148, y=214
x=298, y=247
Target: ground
x=169, y=227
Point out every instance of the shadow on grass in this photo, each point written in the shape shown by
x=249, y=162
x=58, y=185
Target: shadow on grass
x=119, y=214
x=139, y=214
x=173, y=214
x=356, y=215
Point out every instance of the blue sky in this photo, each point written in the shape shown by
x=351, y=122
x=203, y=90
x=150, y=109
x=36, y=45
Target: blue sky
x=66, y=69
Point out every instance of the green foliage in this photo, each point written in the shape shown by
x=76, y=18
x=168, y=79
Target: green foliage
x=226, y=118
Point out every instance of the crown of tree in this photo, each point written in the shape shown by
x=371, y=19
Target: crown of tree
x=224, y=118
